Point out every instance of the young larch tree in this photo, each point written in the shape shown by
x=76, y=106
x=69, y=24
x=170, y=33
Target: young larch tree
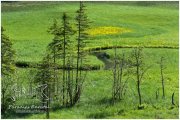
x=82, y=36
x=62, y=44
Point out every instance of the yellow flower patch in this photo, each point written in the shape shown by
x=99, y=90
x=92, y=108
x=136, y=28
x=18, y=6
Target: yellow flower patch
x=107, y=31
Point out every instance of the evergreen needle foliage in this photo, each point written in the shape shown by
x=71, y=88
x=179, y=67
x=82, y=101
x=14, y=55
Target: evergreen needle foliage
x=82, y=36
x=8, y=68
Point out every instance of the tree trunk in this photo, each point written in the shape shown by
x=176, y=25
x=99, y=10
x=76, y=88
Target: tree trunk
x=139, y=92
x=162, y=79
x=72, y=83
x=67, y=89
x=47, y=103
x=78, y=56
x=138, y=81
x=115, y=79
x=64, y=60
x=54, y=60
x=69, y=84
x=120, y=79
x=172, y=99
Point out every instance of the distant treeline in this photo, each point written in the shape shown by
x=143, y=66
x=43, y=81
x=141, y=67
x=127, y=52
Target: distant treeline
x=14, y=5
x=138, y=3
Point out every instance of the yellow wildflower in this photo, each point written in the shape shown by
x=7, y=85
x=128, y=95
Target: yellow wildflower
x=107, y=30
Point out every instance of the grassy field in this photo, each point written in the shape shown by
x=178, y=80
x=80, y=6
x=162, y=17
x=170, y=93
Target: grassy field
x=96, y=98
x=27, y=25
x=127, y=24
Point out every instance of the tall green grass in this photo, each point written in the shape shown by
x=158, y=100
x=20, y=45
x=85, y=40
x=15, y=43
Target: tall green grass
x=96, y=96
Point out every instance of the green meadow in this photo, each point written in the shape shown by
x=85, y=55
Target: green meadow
x=151, y=25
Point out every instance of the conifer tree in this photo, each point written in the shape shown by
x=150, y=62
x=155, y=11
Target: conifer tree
x=62, y=44
x=44, y=81
x=8, y=68
x=54, y=48
x=7, y=54
x=82, y=27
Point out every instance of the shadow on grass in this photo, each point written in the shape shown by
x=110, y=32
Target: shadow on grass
x=15, y=115
x=105, y=114
x=106, y=101
x=60, y=107
x=99, y=115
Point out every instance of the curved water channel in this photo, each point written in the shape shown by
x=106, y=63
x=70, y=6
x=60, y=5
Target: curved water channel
x=105, y=58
